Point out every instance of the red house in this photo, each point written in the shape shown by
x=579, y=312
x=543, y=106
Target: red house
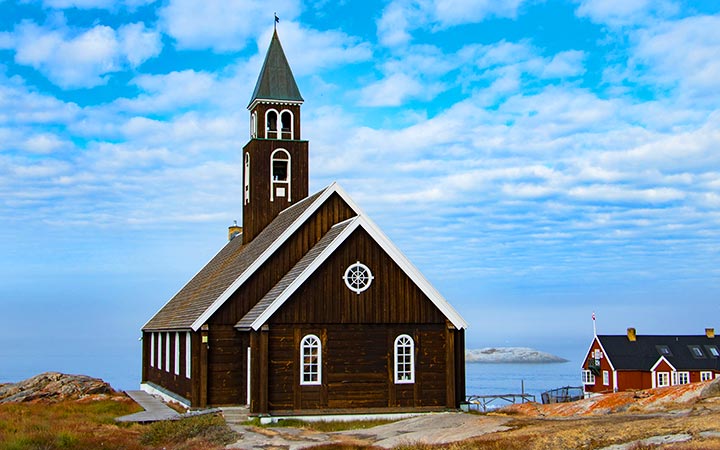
x=627, y=362
x=309, y=308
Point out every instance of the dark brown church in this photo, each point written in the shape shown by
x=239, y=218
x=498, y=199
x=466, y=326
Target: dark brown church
x=309, y=308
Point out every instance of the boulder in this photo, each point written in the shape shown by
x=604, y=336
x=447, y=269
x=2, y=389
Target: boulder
x=53, y=386
x=711, y=390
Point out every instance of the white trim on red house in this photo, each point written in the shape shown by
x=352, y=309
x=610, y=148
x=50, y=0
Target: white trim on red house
x=653, y=373
x=385, y=243
x=605, y=354
x=369, y=226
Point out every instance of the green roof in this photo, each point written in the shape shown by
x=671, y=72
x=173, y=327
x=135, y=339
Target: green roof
x=276, y=81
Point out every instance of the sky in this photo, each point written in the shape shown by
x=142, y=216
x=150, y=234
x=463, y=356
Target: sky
x=537, y=160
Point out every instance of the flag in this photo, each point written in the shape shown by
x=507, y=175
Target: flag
x=277, y=19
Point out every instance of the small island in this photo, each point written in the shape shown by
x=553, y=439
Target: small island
x=498, y=355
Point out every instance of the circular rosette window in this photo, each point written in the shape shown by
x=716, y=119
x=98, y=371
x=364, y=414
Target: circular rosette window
x=358, y=277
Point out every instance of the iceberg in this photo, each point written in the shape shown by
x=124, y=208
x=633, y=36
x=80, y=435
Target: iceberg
x=494, y=355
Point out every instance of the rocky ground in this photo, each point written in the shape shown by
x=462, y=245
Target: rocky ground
x=54, y=386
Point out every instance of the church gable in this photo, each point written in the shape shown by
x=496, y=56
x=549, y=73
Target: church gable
x=340, y=267
x=327, y=298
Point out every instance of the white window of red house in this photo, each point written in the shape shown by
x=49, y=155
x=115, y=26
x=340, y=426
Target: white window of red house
x=681, y=378
x=706, y=376
x=310, y=360
x=663, y=379
x=606, y=378
x=588, y=377
x=404, y=359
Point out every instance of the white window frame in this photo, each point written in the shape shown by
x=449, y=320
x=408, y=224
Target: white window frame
x=588, y=377
x=358, y=277
x=160, y=351
x=152, y=349
x=167, y=352
x=404, y=359
x=268, y=131
x=273, y=181
x=292, y=123
x=681, y=378
x=246, y=187
x=706, y=375
x=177, y=353
x=663, y=379
x=310, y=357
x=606, y=378
x=253, y=124
x=188, y=355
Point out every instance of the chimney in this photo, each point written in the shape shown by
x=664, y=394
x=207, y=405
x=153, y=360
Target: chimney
x=710, y=333
x=632, y=336
x=234, y=231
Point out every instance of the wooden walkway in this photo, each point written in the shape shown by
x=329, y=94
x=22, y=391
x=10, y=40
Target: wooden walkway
x=155, y=409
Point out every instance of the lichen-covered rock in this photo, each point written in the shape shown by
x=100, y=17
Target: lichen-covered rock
x=711, y=390
x=53, y=386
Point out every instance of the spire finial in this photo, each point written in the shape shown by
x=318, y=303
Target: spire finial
x=277, y=20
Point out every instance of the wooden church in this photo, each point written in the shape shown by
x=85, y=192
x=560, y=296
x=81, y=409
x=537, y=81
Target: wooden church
x=309, y=308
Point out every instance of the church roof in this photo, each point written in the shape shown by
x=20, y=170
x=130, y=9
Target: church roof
x=233, y=264
x=276, y=80
x=683, y=352
x=207, y=291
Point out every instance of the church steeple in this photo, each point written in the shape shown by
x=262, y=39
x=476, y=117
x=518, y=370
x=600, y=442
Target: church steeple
x=276, y=80
x=275, y=161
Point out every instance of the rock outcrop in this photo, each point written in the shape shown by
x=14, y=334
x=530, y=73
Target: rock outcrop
x=496, y=355
x=53, y=386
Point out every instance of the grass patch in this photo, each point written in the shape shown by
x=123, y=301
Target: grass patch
x=186, y=433
x=322, y=426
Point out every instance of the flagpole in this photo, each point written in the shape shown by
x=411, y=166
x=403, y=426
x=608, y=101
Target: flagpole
x=594, y=328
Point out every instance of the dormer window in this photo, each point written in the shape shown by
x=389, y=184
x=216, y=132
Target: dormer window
x=664, y=350
x=280, y=175
x=696, y=351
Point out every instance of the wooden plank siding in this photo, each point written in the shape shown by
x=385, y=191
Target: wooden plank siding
x=357, y=368
x=260, y=211
x=166, y=376
x=391, y=298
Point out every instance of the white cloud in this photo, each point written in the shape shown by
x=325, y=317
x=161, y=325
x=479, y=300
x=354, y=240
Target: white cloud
x=95, y=4
x=626, y=12
x=683, y=54
x=83, y=59
x=565, y=64
x=44, y=143
x=395, y=90
x=401, y=17
x=310, y=50
x=221, y=25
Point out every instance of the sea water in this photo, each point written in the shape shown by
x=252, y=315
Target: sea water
x=511, y=378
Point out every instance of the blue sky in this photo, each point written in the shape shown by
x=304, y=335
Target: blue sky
x=537, y=160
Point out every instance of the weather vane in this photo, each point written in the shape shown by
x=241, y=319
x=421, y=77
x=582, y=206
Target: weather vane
x=277, y=20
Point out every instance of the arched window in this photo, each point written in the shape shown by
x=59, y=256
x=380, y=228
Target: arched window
x=246, y=188
x=286, y=124
x=271, y=124
x=253, y=124
x=280, y=174
x=310, y=360
x=404, y=359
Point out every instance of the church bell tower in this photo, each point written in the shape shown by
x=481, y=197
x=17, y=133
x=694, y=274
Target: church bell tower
x=275, y=161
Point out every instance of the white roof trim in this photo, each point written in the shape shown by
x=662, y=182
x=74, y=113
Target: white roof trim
x=661, y=359
x=309, y=270
x=396, y=255
x=587, y=353
x=268, y=252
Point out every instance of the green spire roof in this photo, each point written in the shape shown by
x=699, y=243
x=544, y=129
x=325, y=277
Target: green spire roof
x=276, y=81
